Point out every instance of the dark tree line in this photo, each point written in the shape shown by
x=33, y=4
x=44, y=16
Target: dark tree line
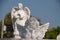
x=8, y=24
x=52, y=33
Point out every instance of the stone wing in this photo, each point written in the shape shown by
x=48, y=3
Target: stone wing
x=43, y=29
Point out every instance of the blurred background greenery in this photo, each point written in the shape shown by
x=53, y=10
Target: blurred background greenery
x=50, y=34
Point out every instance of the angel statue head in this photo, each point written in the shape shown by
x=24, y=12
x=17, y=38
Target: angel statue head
x=20, y=6
x=20, y=15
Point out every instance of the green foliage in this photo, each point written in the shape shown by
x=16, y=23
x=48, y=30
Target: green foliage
x=7, y=35
x=8, y=23
x=0, y=25
x=7, y=20
x=52, y=33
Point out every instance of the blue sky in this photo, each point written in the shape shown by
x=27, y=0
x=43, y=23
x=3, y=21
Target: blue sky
x=45, y=10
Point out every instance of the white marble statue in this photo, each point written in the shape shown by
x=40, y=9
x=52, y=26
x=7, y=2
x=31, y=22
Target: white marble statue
x=25, y=25
x=34, y=30
x=58, y=37
x=19, y=17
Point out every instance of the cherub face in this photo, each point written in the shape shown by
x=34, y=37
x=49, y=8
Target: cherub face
x=20, y=14
x=21, y=17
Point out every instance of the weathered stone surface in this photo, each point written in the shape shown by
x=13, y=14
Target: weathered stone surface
x=23, y=39
x=58, y=37
x=26, y=26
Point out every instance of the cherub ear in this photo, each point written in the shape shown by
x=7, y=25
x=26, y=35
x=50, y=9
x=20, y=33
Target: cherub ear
x=27, y=11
